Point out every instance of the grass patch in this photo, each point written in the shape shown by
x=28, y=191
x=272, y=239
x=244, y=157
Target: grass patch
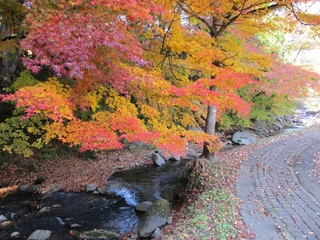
x=211, y=210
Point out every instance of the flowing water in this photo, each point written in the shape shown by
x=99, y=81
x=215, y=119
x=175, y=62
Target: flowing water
x=114, y=212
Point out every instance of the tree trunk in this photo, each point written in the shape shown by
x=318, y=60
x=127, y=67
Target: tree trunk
x=210, y=129
x=9, y=64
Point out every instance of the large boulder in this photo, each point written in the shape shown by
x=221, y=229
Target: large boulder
x=155, y=217
x=244, y=137
x=144, y=206
x=261, y=128
x=193, y=150
x=157, y=159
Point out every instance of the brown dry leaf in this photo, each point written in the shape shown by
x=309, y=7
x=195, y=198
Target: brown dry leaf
x=71, y=173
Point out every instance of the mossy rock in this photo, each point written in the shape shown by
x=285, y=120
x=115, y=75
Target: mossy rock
x=155, y=217
x=99, y=234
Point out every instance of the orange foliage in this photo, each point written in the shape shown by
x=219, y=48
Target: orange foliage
x=145, y=69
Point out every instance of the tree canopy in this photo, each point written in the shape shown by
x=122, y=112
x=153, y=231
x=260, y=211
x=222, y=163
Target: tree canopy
x=146, y=70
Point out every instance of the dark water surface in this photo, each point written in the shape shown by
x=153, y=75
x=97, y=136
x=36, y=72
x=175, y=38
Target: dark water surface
x=114, y=212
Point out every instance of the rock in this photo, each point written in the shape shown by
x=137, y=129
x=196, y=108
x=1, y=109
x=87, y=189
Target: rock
x=135, y=229
x=157, y=234
x=34, y=206
x=261, y=128
x=39, y=180
x=276, y=126
x=10, y=64
x=290, y=125
x=169, y=220
x=259, y=124
x=60, y=221
x=3, y=218
x=134, y=236
x=22, y=163
x=99, y=234
x=23, y=188
x=178, y=194
x=75, y=225
x=154, y=218
x=44, y=210
x=91, y=187
x=193, y=151
x=129, y=155
x=165, y=157
x=40, y=235
x=144, y=206
x=175, y=157
x=157, y=159
x=311, y=113
x=137, y=145
x=26, y=165
x=34, y=189
x=5, y=224
x=244, y=137
x=47, y=209
x=102, y=190
x=15, y=235
x=120, y=167
x=29, y=188
x=12, y=216
x=89, y=155
x=52, y=189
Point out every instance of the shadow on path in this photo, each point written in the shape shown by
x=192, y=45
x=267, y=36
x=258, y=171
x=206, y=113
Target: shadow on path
x=280, y=194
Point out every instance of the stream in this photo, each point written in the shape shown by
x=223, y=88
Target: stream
x=66, y=212
x=114, y=212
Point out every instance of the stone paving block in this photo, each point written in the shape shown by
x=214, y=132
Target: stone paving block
x=281, y=188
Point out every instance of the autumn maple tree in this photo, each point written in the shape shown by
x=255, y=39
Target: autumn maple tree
x=145, y=70
x=213, y=38
x=95, y=50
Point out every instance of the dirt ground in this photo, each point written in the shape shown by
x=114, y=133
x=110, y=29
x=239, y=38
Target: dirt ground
x=71, y=173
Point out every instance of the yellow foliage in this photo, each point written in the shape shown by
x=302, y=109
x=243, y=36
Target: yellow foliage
x=187, y=47
x=54, y=130
x=56, y=86
x=187, y=120
x=94, y=97
x=177, y=41
x=149, y=112
x=119, y=103
x=101, y=117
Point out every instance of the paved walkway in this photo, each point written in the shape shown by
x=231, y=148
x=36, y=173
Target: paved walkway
x=281, y=200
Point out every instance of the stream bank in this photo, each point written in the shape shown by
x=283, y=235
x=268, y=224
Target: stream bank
x=65, y=213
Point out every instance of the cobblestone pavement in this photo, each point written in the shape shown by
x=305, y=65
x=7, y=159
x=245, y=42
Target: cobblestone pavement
x=281, y=196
